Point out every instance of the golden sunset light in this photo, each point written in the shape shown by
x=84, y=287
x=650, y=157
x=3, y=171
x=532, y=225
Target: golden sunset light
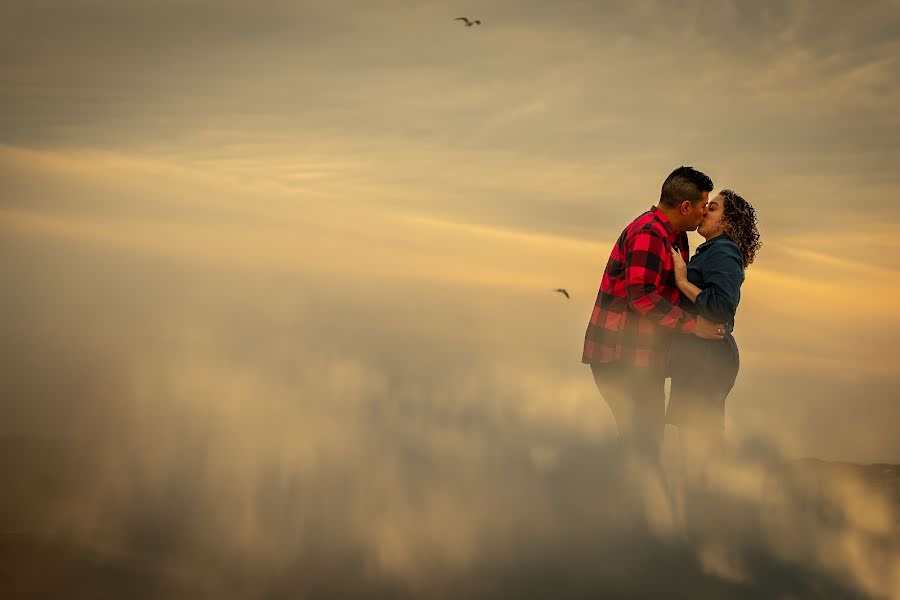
x=280, y=315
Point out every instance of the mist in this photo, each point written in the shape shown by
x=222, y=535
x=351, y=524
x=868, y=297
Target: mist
x=278, y=308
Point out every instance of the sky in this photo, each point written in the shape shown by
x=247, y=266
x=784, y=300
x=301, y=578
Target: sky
x=246, y=245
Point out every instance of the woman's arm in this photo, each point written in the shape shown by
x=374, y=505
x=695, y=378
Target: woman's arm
x=723, y=274
x=687, y=288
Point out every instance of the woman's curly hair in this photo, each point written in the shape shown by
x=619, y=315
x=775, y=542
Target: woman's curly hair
x=741, y=225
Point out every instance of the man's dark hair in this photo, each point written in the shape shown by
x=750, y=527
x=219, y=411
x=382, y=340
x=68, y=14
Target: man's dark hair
x=684, y=183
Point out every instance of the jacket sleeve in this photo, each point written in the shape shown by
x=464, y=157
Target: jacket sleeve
x=723, y=274
x=645, y=264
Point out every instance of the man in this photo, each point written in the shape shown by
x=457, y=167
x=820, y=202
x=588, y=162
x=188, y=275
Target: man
x=636, y=313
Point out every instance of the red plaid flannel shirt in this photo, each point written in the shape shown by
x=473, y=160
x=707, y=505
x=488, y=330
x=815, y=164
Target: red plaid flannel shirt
x=637, y=310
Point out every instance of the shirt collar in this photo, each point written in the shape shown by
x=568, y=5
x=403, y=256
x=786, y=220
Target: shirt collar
x=715, y=240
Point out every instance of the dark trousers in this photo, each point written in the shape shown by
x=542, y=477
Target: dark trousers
x=637, y=399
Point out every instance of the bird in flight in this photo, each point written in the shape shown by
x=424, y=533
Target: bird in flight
x=468, y=22
x=562, y=291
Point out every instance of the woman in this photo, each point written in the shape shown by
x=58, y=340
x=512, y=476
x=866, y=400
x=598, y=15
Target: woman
x=703, y=372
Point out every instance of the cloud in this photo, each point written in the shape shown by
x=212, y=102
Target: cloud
x=250, y=450
x=280, y=290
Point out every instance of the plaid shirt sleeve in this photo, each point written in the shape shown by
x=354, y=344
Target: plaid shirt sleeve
x=646, y=260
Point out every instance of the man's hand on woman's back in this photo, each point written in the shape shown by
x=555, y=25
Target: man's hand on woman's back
x=708, y=330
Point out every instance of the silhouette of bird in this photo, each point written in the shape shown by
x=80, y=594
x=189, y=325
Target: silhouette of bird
x=562, y=291
x=468, y=22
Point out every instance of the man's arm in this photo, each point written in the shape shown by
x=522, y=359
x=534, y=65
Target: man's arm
x=644, y=268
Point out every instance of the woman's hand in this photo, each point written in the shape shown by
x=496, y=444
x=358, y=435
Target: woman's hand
x=688, y=289
x=679, y=266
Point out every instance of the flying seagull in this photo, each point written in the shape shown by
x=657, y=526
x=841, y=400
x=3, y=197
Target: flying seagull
x=562, y=291
x=468, y=22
